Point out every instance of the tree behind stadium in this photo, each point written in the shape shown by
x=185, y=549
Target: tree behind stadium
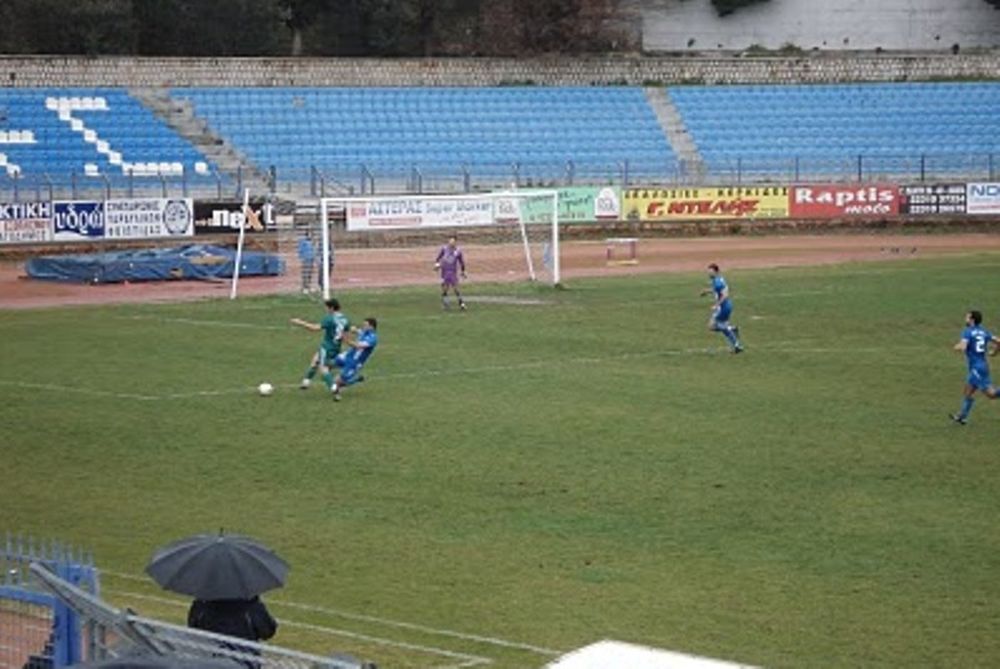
x=309, y=27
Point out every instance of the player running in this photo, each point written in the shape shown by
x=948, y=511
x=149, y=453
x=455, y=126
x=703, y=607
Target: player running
x=449, y=261
x=333, y=325
x=721, y=309
x=353, y=359
x=976, y=342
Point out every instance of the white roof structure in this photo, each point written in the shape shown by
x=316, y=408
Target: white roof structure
x=610, y=654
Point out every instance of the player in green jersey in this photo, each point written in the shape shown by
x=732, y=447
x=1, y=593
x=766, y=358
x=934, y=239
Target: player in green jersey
x=333, y=326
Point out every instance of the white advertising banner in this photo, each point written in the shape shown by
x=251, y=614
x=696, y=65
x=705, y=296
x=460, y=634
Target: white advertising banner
x=148, y=218
x=982, y=198
x=416, y=212
x=25, y=222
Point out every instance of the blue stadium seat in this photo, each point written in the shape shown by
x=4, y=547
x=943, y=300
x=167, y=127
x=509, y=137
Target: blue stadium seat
x=437, y=128
x=760, y=124
x=112, y=130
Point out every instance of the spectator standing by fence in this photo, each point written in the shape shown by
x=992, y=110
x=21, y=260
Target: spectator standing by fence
x=307, y=260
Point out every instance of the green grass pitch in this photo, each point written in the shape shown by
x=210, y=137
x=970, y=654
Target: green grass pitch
x=523, y=479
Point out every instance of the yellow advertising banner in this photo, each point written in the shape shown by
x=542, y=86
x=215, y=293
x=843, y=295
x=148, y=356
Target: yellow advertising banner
x=700, y=204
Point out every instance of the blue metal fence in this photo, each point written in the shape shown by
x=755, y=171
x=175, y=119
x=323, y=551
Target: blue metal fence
x=37, y=630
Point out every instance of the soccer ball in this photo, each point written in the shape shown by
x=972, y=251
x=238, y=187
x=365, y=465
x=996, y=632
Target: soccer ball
x=265, y=389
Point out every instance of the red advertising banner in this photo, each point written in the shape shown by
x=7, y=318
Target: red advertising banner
x=839, y=200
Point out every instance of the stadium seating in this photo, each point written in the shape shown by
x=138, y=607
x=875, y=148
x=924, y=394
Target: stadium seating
x=545, y=132
x=836, y=130
x=494, y=134
x=56, y=133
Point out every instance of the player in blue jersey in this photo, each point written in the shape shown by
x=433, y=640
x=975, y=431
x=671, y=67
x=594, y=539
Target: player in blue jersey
x=721, y=309
x=976, y=343
x=353, y=359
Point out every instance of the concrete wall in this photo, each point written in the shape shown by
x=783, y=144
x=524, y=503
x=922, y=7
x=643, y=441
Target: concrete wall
x=693, y=25
x=157, y=72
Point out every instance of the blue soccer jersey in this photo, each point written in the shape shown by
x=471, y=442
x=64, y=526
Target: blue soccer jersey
x=977, y=340
x=355, y=357
x=352, y=360
x=370, y=339
x=719, y=286
x=725, y=308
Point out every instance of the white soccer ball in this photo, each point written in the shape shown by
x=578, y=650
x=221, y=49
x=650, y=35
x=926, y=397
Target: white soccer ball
x=265, y=389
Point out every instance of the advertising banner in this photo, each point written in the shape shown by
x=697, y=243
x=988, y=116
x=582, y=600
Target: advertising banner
x=840, y=200
x=417, y=212
x=694, y=204
x=228, y=216
x=76, y=221
x=25, y=222
x=983, y=198
x=577, y=204
x=932, y=199
x=148, y=218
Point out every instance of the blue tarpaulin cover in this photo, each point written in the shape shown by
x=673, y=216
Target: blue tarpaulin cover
x=192, y=261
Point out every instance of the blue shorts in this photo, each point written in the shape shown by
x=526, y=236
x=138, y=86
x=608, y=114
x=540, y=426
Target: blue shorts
x=349, y=369
x=721, y=315
x=979, y=378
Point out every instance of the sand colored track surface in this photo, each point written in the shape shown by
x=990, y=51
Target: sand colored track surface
x=359, y=268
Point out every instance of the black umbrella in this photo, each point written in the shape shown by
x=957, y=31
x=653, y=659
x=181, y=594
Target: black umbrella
x=218, y=566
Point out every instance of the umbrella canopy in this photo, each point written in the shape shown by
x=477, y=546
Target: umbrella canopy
x=218, y=566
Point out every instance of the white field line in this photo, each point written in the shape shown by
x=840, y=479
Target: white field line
x=782, y=348
x=472, y=298
x=26, y=385
x=242, y=390
x=339, y=613
x=477, y=638
x=467, y=660
x=198, y=321
x=895, y=268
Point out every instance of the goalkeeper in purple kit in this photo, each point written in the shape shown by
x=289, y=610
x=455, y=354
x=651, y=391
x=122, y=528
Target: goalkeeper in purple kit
x=449, y=262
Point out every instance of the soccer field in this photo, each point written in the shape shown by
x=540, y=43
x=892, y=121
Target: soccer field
x=548, y=469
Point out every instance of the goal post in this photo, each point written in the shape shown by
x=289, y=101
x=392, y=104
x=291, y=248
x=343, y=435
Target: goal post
x=530, y=208
x=505, y=236
x=234, y=286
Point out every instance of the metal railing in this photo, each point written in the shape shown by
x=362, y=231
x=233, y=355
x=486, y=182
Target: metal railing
x=367, y=179
x=908, y=168
x=125, y=634
x=75, y=186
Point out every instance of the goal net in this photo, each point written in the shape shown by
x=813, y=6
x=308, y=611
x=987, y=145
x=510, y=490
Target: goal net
x=278, y=248
x=383, y=241
x=394, y=241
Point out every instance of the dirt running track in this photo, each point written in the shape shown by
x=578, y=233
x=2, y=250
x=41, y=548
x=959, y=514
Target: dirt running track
x=403, y=266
